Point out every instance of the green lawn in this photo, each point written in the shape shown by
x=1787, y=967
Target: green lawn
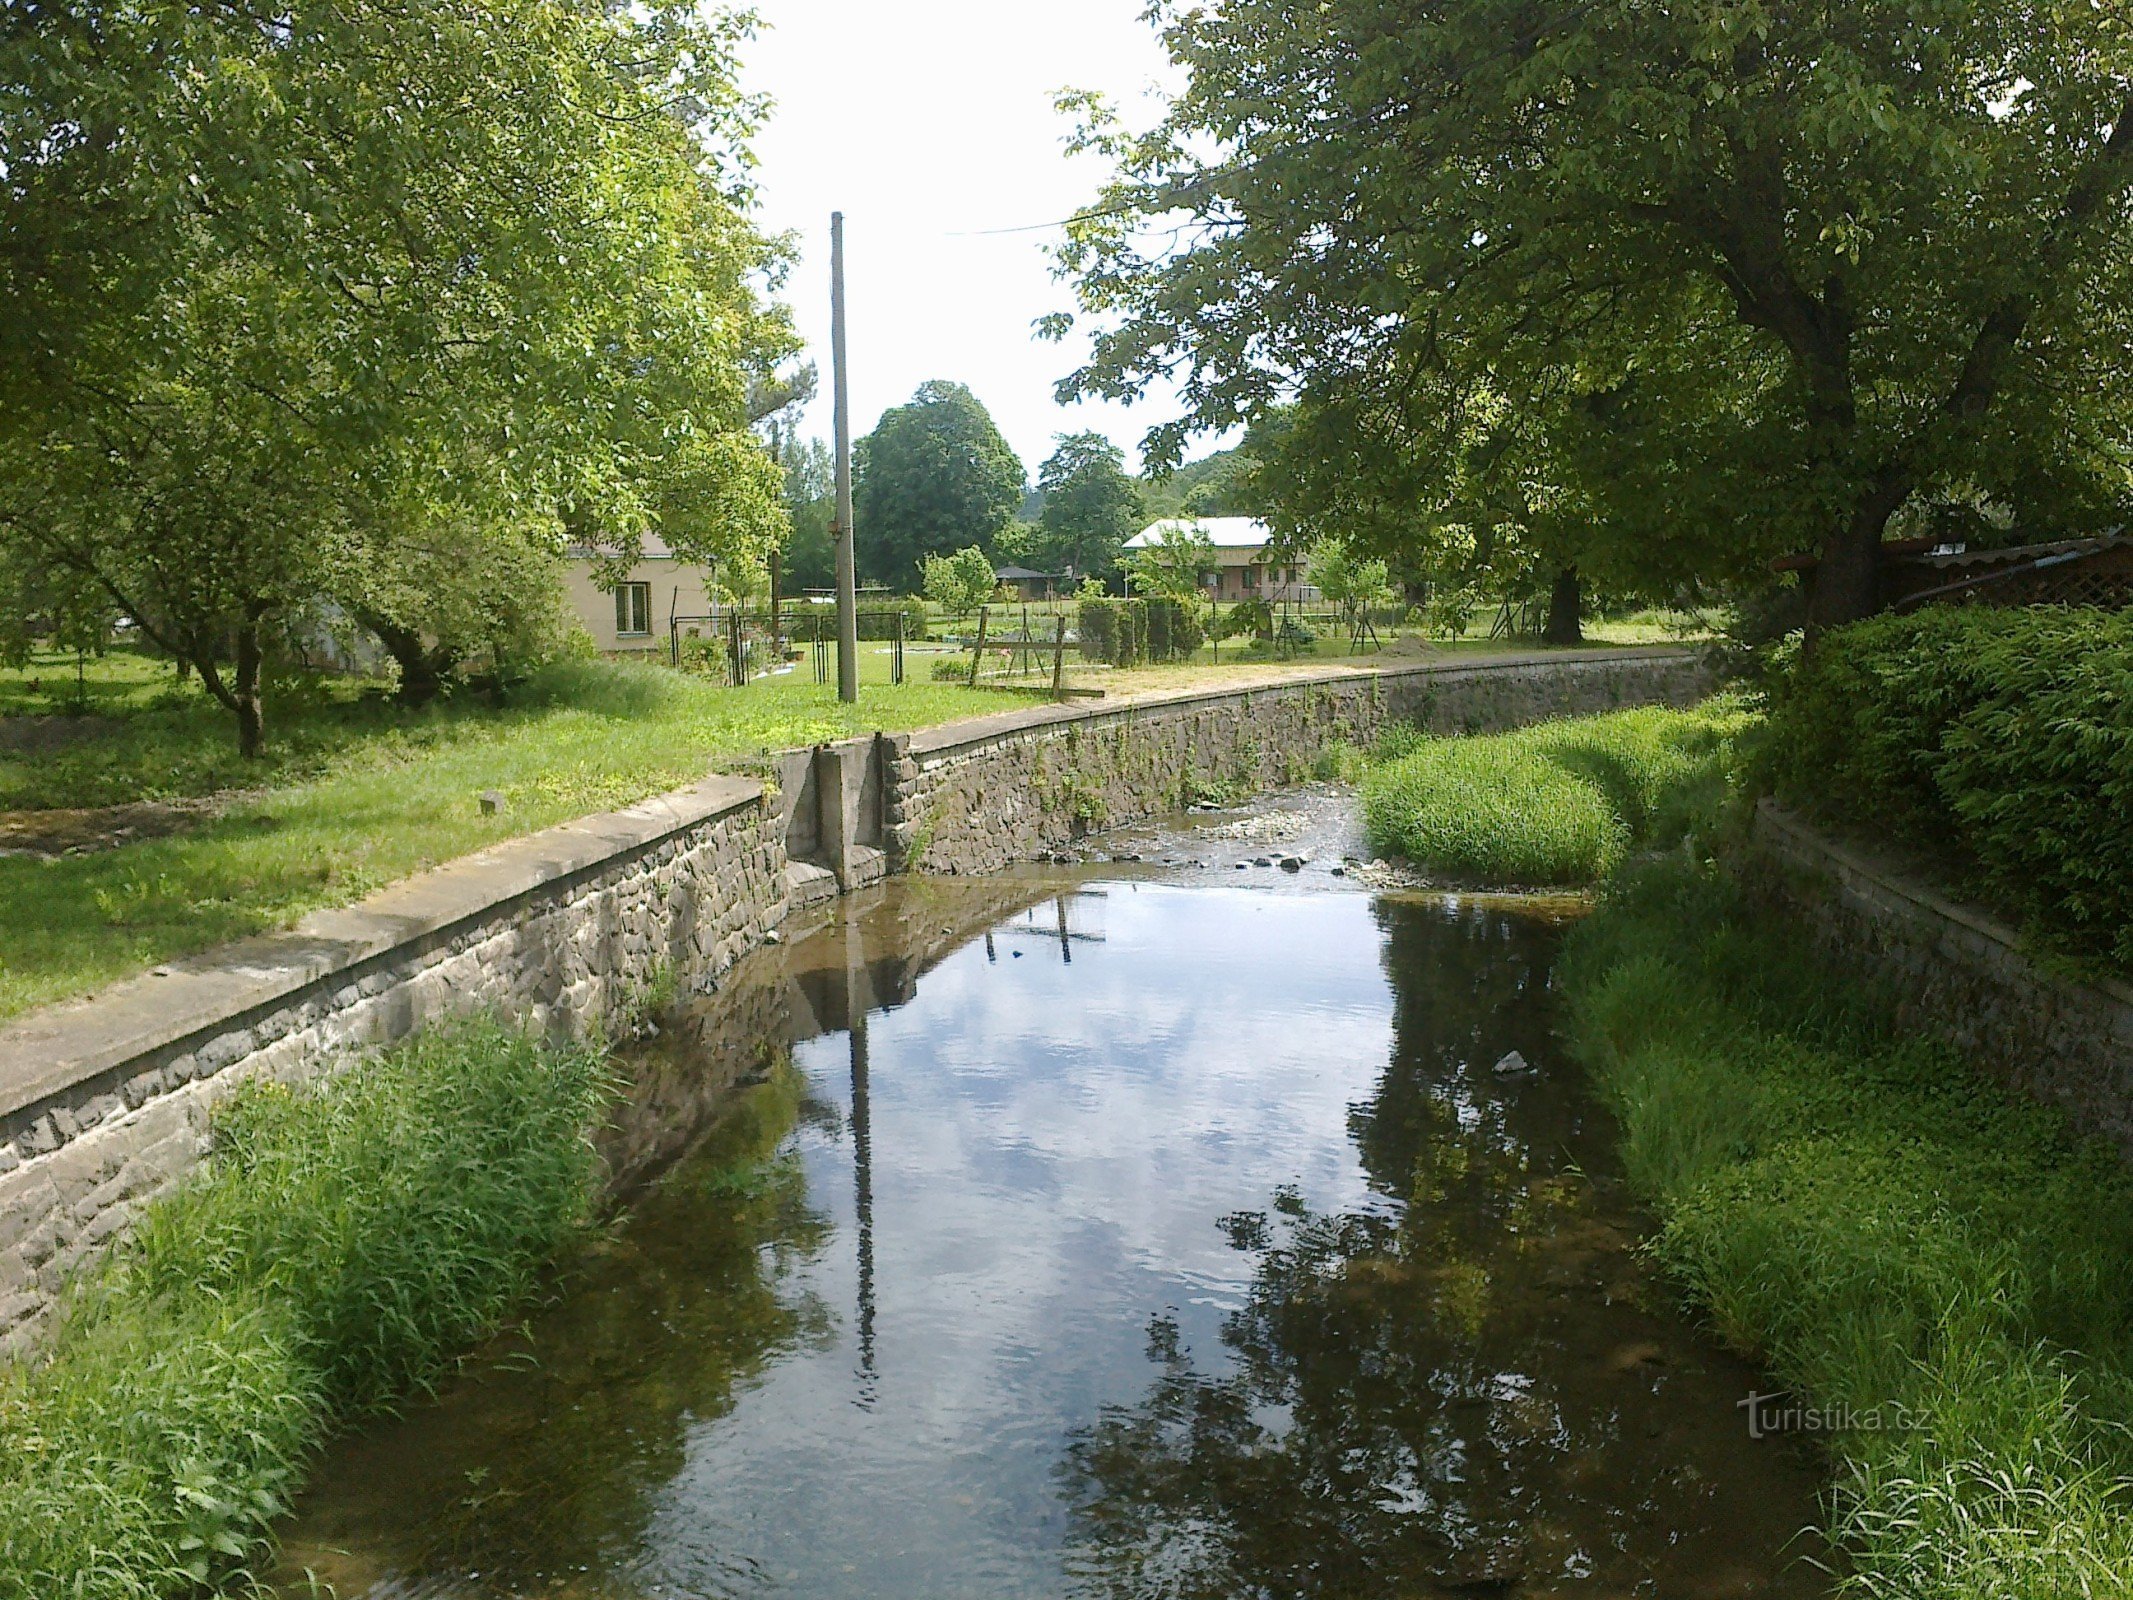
x=356, y=792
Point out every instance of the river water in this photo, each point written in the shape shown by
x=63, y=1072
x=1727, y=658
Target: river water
x=1140, y=1230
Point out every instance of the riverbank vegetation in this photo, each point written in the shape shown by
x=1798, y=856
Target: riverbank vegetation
x=1560, y=803
x=357, y=792
x=1996, y=743
x=345, y=1243
x=1927, y=1263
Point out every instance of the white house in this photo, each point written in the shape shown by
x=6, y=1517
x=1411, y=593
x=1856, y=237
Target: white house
x=633, y=615
x=1241, y=567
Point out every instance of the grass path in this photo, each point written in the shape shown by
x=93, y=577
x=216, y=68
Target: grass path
x=367, y=796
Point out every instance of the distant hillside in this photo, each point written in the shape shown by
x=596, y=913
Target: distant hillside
x=1217, y=485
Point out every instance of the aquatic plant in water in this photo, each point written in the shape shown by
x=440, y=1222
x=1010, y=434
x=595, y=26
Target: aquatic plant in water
x=1561, y=803
x=345, y=1241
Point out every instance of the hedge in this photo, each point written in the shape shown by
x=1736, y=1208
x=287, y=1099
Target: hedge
x=1999, y=740
x=1127, y=633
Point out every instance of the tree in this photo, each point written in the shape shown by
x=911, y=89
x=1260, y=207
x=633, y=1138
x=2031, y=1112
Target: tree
x=960, y=583
x=1091, y=506
x=1223, y=484
x=297, y=299
x=810, y=555
x=1353, y=585
x=1174, y=566
x=1805, y=266
x=935, y=475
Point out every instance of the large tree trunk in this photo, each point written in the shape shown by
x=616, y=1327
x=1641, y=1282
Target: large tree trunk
x=423, y=670
x=1847, y=580
x=1566, y=610
x=240, y=691
x=1847, y=583
x=251, y=712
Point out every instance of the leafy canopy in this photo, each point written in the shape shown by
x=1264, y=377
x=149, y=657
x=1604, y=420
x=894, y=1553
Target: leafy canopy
x=1091, y=506
x=960, y=583
x=935, y=475
x=304, y=305
x=1174, y=564
x=1748, y=277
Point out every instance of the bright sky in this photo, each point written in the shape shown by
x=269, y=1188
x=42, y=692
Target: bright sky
x=929, y=123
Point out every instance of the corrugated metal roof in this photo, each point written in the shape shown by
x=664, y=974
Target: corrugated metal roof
x=1224, y=533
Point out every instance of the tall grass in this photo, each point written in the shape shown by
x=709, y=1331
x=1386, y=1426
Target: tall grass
x=344, y=1244
x=1893, y=1236
x=1561, y=803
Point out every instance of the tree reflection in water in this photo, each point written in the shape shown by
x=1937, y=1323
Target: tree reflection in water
x=1457, y=1389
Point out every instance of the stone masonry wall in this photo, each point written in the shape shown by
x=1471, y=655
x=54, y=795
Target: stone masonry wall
x=589, y=938
x=1960, y=976
x=104, y=1104
x=972, y=798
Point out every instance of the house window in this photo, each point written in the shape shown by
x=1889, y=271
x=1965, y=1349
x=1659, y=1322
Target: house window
x=633, y=610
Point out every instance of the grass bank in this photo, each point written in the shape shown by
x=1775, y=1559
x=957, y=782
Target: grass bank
x=1560, y=803
x=1927, y=1261
x=344, y=1244
x=358, y=794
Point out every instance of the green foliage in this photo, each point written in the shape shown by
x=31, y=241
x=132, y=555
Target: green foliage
x=1091, y=507
x=1354, y=585
x=1175, y=564
x=1096, y=623
x=810, y=554
x=344, y=1244
x=878, y=618
x=2000, y=741
x=1131, y=633
x=1451, y=610
x=360, y=792
x=1252, y=618
x=935, y=475
x=1654, y=289
x=1561, y=803
x=1222, y=484
x=334, y=306
x=1889, y=1233
x=960, y=583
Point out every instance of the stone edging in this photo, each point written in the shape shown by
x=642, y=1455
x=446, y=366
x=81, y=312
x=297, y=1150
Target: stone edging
x=1961, y=975
x=61, y=1047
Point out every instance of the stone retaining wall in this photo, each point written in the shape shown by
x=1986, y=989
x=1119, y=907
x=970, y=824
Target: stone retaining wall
x=973, y=797
x=1961, y=976
x=103, y=1103
x=572, y=926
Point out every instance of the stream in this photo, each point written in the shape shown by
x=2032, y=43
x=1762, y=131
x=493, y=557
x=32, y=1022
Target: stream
x=1163, y=1226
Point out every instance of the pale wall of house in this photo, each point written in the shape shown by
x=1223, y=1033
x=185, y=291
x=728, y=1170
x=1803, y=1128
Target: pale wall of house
x=676, y=590
x=1243, y=581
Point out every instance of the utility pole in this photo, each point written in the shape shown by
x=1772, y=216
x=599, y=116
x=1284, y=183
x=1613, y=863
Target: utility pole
x=847, y=565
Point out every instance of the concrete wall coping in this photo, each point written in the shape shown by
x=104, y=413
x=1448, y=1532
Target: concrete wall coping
x=60, y=1048
x=953, y=738
x=55, y=1049
x=1857, y=862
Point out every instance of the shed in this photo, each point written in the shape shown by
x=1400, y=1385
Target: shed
x=1033, y=585
x=2092, y=571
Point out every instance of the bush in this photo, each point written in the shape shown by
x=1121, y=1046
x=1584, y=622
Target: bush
x=1562, y=803
x=1999, y=740
x=1126, y=633
x=1894, y=1238
x=344, y=1242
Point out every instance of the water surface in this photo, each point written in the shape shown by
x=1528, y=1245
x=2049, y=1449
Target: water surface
x=1111, y=1238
